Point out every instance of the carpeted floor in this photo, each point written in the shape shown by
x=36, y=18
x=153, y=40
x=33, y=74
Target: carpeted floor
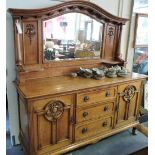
x=123, y=143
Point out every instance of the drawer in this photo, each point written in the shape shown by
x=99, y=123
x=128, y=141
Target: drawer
x=41, y=103
x=95, y=96
x=84, y=114
x=92, y=128
x=135, y=85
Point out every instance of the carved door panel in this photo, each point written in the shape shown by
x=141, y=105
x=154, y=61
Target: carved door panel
x=110, y=41
x=30, y=42
x=128, y=103
x=54, y=125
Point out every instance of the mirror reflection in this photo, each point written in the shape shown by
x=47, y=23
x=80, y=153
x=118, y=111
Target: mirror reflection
x=71, y=36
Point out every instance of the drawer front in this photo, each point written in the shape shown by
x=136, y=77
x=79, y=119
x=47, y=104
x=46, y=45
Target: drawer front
x=136, y=84
x=96, y=96
x=40, y=104
x=93, y=128
x=84, y=114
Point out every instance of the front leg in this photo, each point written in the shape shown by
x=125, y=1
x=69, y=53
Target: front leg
x=134, y=131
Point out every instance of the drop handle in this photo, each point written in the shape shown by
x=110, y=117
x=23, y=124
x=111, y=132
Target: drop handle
x=107, y=94
x=85, y=114
x=86, y=98
x=106, y=108
x=84, y=130
x=104, y=124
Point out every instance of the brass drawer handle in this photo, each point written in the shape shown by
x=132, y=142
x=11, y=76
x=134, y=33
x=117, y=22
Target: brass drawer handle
x=104, y=124
x=85, y=114
x=107, y=94
x=86, y=98
x=84, y=130
x=106, y=108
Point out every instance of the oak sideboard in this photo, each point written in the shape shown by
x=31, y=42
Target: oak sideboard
x=58, y=112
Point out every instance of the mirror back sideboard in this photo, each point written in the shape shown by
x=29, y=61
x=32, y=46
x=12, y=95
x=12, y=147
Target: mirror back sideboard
x=59, y=113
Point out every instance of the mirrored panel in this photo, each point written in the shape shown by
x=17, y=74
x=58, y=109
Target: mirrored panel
x=72, y=36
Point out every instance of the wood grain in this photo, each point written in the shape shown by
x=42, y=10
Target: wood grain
x=59, y=113
x=56, y=85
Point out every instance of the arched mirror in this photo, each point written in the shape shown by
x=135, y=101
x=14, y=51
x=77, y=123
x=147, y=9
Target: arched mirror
x=72, y=36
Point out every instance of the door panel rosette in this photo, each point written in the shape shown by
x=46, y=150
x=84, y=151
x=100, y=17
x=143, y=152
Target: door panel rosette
x=53, y=110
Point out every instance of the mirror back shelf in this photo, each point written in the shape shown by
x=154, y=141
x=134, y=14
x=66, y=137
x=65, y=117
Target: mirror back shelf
x=60, y=39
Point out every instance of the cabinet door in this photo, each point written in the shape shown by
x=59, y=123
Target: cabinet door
x=53, y=123
x=128, y=103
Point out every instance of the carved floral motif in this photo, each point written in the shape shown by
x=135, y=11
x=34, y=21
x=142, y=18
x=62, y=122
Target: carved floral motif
x=129, y=93
x=54, y=110
x=30, y=31
x=110, y=32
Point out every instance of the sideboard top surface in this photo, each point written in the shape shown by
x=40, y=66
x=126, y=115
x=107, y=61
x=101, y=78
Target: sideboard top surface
x=65, y=84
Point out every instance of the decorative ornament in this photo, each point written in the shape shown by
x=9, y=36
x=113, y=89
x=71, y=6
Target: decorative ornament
x=54, y=110
x=30, y=31
x=129, y=93
x=110, y=32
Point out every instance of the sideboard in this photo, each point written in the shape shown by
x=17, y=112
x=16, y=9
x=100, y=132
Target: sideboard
x=62, y=113
x=58, y=112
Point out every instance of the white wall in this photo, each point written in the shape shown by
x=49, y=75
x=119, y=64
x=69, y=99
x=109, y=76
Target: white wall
x=130, y=50
x=111, y=6
x=29, y=4
x=11, y=91
x=120, y=8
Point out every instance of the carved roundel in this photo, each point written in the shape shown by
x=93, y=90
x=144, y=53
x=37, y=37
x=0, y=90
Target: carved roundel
x=129, y=93
x=54, y=110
